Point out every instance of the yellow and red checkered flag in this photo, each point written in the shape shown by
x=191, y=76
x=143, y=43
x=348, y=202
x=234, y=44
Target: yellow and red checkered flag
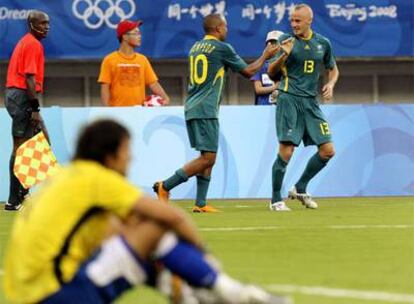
x=35, y=161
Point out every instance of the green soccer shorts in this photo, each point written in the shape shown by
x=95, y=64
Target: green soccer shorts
x=300, y=118
x=203, y=134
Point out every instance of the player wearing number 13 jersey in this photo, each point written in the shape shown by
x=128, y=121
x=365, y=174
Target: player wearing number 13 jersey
x=209, y=61
x=298, y=115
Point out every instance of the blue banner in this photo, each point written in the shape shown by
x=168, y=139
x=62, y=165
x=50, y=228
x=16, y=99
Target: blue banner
x=83, y=29
x=374, y=149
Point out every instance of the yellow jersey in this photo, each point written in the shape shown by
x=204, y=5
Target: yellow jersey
x=61, y=226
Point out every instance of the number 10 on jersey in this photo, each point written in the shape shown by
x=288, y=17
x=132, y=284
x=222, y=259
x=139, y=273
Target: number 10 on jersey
x=197, y=77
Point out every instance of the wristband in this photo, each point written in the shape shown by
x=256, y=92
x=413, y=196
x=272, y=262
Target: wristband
x=34, y=104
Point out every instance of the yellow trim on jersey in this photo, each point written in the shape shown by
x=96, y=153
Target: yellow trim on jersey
x=220, y=74
x=309, y=37
x=210, y=37
x=285, y=75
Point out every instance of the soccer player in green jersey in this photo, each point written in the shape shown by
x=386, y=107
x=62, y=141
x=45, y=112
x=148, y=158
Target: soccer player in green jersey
x=209, y=60
x=298, y=115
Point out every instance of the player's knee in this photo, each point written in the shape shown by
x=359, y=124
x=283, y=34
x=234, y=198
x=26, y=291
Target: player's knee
x=328, y=152
x=133, y=232
x=208, y=161
x=286, y=154
x=286, y=151
x=211, y=162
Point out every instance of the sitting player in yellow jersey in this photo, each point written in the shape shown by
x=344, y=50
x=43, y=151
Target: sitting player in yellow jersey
x=88, y=235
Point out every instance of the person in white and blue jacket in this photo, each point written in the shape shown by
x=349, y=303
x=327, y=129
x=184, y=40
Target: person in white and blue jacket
x=265, y=89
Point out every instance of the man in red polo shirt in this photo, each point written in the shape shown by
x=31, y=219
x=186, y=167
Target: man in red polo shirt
x=24, y=81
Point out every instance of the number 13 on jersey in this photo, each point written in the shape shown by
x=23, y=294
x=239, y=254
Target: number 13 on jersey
x=324, y=127
x=198, y=74
x=308, y=66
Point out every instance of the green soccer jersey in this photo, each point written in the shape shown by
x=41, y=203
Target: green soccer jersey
x=209, y=61
x=302, y=68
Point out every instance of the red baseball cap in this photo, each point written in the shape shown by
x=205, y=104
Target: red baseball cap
x=126, y=25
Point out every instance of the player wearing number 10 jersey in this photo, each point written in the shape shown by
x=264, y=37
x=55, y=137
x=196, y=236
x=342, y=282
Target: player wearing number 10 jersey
x=298, y=116
x=209, y=61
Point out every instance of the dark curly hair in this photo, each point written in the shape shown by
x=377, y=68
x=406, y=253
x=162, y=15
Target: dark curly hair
x=100, y=139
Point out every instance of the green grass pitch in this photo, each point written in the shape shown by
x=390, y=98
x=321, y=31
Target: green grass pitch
x=349, y=251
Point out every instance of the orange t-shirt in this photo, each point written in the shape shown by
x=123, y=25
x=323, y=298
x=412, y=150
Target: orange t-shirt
x=127, y=77
x=28, y=58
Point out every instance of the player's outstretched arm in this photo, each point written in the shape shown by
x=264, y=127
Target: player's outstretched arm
x=328, y=88
x=169, y=216
x=275, y=67
x=255, y=66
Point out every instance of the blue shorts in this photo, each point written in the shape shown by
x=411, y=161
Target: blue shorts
x=114, y=269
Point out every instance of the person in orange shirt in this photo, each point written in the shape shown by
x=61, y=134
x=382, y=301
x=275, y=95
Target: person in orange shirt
x=125, y=73
x=24, y=81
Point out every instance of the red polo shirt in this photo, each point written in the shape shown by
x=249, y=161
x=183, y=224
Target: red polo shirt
x=27, y=58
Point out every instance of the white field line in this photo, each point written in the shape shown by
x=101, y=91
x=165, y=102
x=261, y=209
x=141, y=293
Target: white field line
x=259, y=204
x=339, y=227
x=344, y=293
x=371, y=226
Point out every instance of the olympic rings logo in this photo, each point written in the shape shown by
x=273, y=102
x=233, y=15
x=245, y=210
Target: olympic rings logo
x=100, y=11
